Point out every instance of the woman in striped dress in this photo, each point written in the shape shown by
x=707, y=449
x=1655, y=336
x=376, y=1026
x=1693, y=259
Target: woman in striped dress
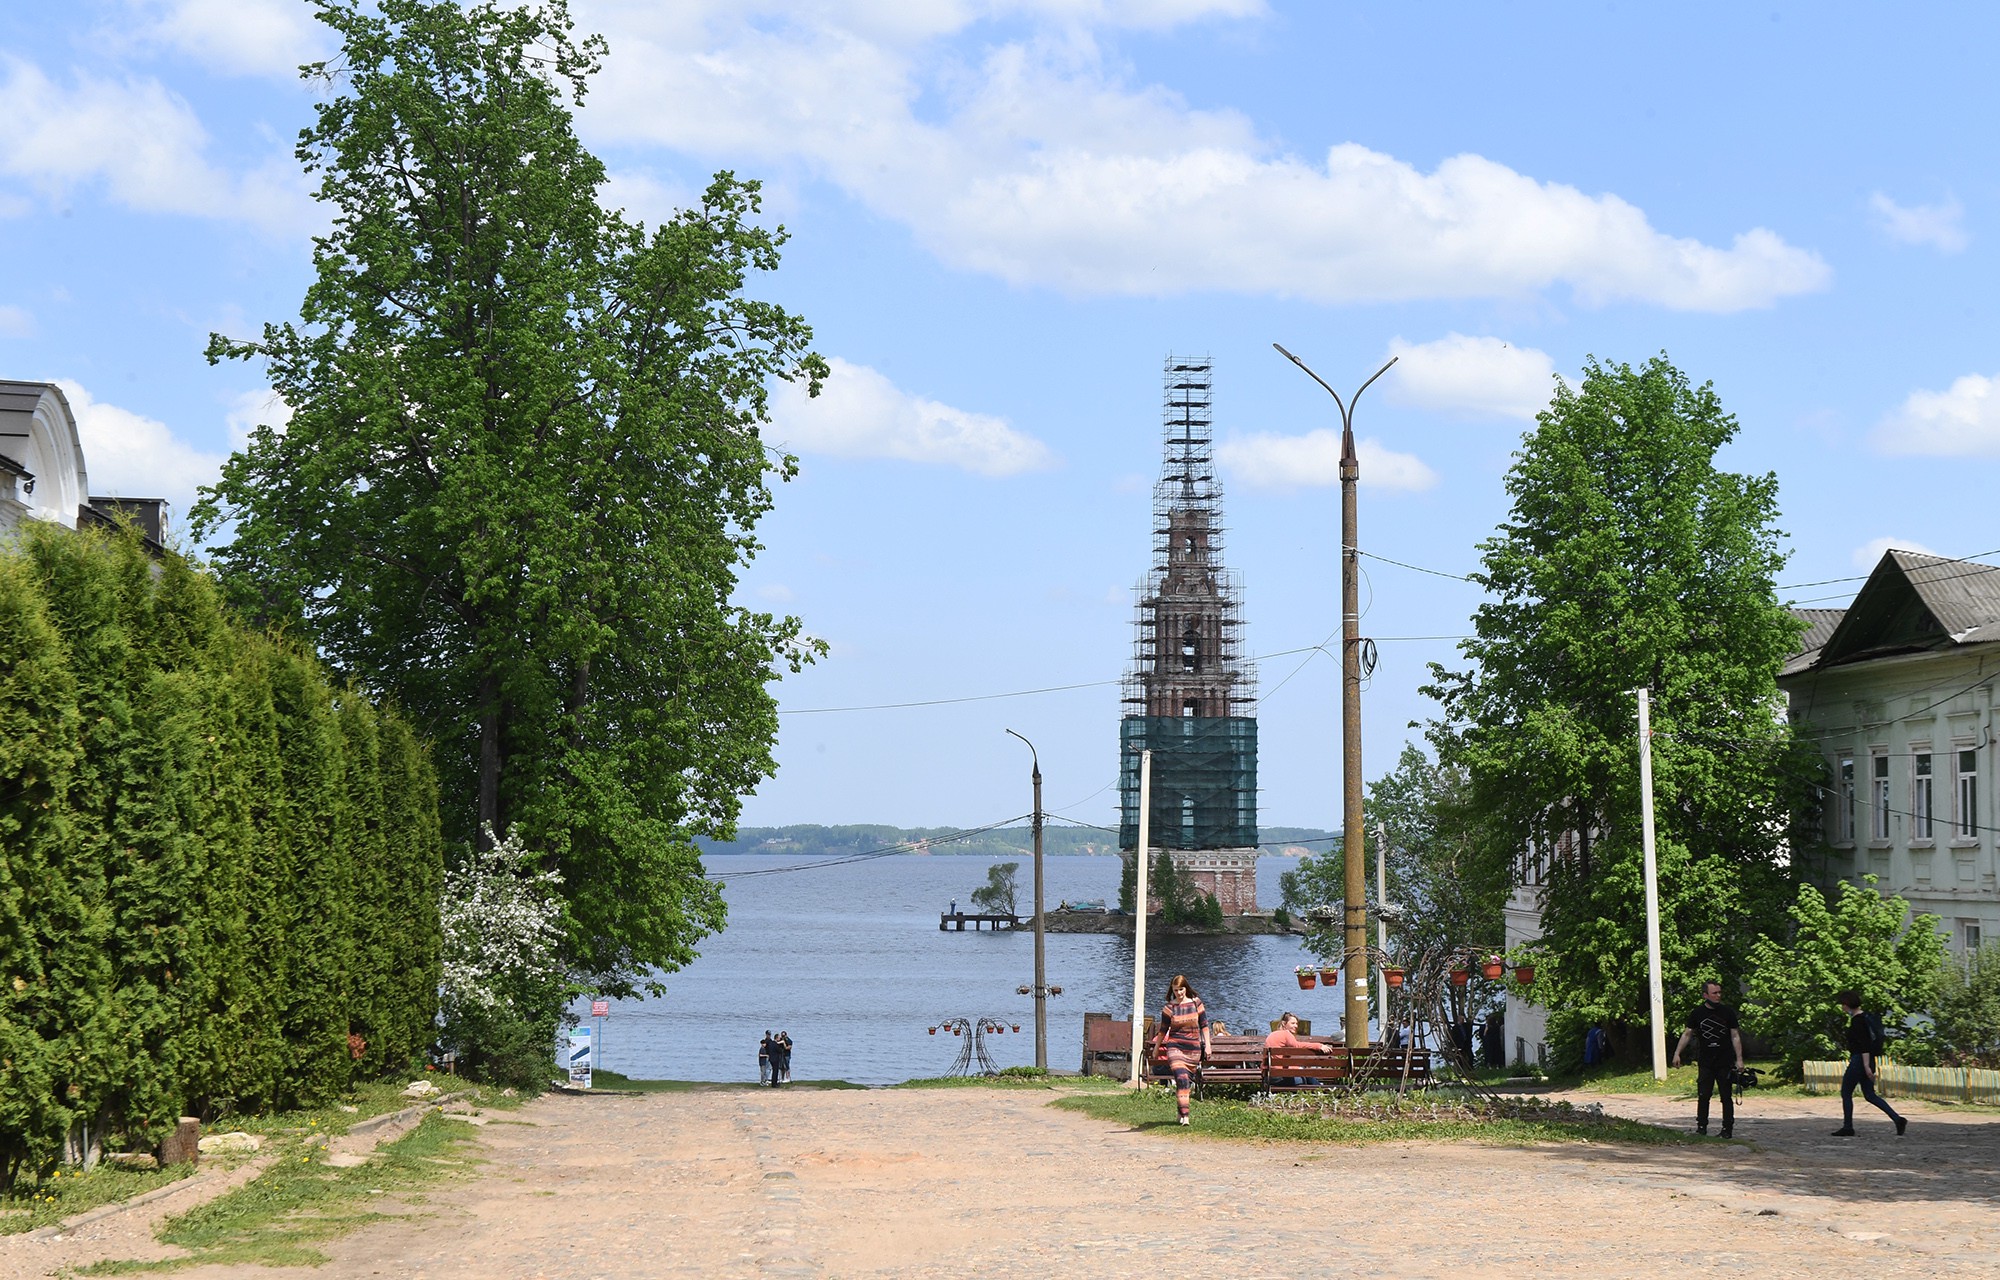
x=1181, y=1038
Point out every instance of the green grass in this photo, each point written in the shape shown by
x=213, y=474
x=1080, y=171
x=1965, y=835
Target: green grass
x=1229, y=1118
x=66, y=1193
x=278, y=1219
x=1680, y=1081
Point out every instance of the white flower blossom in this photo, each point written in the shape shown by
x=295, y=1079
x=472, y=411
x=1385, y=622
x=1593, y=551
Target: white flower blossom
x=501, y=923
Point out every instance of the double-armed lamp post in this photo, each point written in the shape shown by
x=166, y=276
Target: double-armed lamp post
x=1353, y=841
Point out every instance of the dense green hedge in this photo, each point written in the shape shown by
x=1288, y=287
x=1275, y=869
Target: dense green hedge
x=215, y=865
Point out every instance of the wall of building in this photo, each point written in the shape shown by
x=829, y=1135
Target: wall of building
x=1880, y=723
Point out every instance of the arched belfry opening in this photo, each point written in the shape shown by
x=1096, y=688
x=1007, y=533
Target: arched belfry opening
x=1190, y=694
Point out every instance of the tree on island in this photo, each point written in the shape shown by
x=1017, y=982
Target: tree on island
x=998, y=894
x=523, y=467
x=1629, y=559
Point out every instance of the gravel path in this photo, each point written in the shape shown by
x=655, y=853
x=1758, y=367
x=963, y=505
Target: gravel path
x=740, y=1183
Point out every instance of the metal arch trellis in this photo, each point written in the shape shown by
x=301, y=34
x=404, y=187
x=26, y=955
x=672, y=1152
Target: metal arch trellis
x=1422, y=1002
x=972, y=1057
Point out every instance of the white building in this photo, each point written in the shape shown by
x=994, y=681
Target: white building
x=1899, y=690
x=42, y=473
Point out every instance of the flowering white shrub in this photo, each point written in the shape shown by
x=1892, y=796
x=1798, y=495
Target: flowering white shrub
x=501, y=927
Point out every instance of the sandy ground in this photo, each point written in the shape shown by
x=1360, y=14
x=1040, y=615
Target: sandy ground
x=997, y=1184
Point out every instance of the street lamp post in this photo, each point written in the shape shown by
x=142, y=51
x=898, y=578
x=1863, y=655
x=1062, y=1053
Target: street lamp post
x=1041, y=976
x=1353, y=841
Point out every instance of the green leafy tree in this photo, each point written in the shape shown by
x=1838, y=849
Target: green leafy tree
x=997, y=895
x=1965, y=1012
x=523, y=465
x=1852, y=940
x=1629, y=559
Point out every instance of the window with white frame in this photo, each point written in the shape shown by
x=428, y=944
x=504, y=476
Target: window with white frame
x=1969, y=935
x=1968, y=792
x=1920, y=796
x=1843, y=800
x=1878, y=794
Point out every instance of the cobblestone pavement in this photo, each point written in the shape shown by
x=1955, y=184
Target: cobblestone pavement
x=741, y=1183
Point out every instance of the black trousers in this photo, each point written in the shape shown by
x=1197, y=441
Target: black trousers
x=1857, y=1077
x=1712, y=1072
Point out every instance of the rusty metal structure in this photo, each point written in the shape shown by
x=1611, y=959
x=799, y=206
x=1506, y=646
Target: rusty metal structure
x=1190, y=694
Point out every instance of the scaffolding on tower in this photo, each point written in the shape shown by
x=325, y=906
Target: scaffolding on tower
x=1189, y=693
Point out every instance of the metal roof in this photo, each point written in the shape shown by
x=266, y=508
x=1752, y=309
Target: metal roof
x=1912, y=602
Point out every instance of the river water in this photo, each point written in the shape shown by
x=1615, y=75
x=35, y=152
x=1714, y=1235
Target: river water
x=850, y=961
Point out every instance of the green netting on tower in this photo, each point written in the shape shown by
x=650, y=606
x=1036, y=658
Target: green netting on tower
x=1204, y=781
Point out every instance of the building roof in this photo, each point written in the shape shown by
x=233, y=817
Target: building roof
x=1911, y=603
x=1820, y=624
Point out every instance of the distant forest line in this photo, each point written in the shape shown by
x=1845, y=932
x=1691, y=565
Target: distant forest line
x=812, y=840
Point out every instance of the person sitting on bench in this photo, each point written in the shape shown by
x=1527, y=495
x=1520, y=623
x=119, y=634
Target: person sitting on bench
x=1287, y=1037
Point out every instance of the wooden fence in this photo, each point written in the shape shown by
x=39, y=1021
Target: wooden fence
x=1933, y=1084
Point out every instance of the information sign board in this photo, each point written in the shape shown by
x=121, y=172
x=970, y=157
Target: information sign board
x=579, y=1058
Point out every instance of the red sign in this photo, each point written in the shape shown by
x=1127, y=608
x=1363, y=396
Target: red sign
x=600, y=1008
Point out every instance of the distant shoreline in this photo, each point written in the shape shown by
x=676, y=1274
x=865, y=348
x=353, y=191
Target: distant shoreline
x=810, y=840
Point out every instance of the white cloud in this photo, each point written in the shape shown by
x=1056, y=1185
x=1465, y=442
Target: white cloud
x=1940, y=226
x=142, y=142
x=1961, y=421
x=1312, y=461
x=16, y=322
x=132, y=456
x=1869, y=553
x=776, y=593
x=861, y=414
x=249, y=37
x=1043, y=167
x=1474, y=376
x=253, y=409
x=645, y=198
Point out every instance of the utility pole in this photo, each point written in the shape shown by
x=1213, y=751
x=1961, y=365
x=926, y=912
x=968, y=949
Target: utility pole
x=1382, y=923
x=1041, y=972
x=1652, y=871
x=1139, y=911
x=1353, y=841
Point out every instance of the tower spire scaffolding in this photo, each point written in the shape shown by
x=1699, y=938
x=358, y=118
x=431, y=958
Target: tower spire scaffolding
x=1189, y=693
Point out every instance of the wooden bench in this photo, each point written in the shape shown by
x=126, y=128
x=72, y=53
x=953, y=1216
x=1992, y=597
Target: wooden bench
x=1233, y=1060
x=1384, y=1065
x=1286, y=1068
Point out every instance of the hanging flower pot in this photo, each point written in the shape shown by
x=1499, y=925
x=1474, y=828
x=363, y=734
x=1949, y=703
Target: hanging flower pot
x=1017, y=1026
x=1493, y=967
x=954, y=1031
x=1524, y=974
x=1393, y=976
x=1460, y=976
x=1329, y=976
x=1308, y=979
x=933, y=1030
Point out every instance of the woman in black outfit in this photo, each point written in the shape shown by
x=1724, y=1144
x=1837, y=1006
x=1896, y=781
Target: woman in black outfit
x=1860, y=1067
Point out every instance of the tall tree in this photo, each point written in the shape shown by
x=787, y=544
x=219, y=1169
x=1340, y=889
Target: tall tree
x=523, y=465
x=1630, y=559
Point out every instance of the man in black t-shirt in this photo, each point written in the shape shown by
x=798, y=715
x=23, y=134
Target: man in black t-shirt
x=1719, y=1050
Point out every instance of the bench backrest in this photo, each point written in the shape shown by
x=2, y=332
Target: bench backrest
x=1310, y=1063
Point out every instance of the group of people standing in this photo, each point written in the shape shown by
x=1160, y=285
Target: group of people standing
x=774, y=1059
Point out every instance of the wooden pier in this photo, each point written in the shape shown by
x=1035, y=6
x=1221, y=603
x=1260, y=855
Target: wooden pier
x=948, y=920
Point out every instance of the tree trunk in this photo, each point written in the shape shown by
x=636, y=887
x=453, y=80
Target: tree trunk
x=491, y=759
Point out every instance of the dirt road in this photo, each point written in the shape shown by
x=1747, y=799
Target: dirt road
x=984, y=1183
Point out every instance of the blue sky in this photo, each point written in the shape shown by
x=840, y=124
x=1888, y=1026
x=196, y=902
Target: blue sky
x=1005, y=213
